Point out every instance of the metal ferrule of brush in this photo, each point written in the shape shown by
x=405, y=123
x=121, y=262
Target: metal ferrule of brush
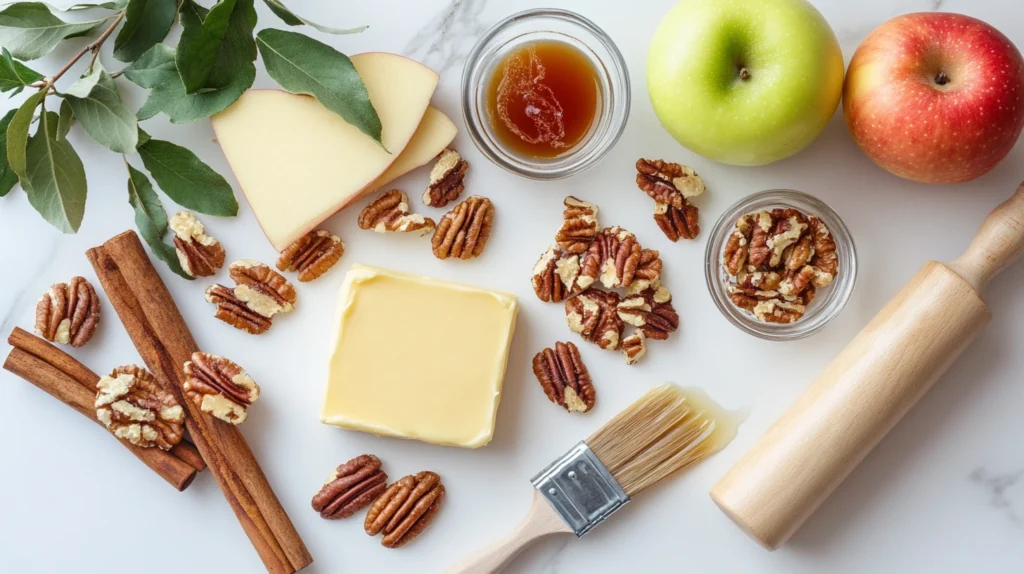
x=580, y=489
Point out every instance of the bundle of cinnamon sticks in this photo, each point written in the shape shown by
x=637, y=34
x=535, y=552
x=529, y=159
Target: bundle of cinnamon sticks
x=165, y=343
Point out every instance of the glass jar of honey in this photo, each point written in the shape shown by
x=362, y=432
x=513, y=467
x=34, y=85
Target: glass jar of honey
x=545, y=94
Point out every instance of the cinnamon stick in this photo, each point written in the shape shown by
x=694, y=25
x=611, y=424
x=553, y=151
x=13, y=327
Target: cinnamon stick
x=65, y=363
x=165, y=343
x=60, y=385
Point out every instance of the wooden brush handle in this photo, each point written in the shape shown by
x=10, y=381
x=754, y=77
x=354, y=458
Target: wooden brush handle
x=541, y=521
x=998, y=242
x=868, y=387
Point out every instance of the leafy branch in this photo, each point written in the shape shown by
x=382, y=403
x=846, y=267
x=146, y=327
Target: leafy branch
x=209, y=69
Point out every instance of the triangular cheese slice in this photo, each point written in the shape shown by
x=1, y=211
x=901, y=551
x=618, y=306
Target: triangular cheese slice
x=298, y=163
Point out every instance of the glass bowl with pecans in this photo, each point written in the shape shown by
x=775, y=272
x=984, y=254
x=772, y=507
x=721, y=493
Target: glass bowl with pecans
x=780, y=264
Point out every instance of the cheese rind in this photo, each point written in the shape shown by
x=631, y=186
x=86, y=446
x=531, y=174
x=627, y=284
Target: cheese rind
x=436, y=131
x=418, y=358
x=298, y=163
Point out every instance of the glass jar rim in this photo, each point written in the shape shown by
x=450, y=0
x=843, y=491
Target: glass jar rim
x=828, y=306
x=612, y=70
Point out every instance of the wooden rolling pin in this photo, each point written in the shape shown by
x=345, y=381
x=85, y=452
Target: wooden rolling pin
x=868, y=388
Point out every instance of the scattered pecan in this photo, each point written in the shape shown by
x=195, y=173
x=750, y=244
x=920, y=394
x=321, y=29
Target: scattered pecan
x=651, y=311
x=390, y=212
x=776, y=265
x=199, y=254
x=350, y=488
x=579, y=225
x=235, y=312
x=634, y=346
x=648, y=270
x=463, y=231
x=220, y=387
x=555, y=274
x=446, y=179
x=135, y=408
x=312, y=255
x=405, y=509
x=263, y=290
x=564, y=377
x=668, y=182
x=613, y=258
x=676, y=222
x=68, y=313
x=593, y=315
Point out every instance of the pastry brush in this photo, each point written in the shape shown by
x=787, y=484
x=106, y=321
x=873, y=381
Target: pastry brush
x=668, y=429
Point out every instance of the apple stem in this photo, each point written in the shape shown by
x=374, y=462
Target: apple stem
x=942, y=79
x=744, y=73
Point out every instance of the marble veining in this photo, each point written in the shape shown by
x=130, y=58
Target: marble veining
x=998, y=487
x=445, y=41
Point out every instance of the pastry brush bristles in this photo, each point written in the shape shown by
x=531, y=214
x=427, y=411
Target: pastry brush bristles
x=667, y=429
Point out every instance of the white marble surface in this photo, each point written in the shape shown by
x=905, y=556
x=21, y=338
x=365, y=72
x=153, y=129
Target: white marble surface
x=943, y=493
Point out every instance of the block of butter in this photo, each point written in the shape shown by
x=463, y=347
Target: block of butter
x=418, y=358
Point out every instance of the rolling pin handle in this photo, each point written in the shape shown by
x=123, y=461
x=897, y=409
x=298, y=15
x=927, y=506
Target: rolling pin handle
x=998, y=242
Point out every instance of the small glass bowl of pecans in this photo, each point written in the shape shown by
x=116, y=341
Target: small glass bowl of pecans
x=780, y=264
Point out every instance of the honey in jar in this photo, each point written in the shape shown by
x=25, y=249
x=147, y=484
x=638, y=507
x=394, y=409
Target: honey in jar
x=542, y=98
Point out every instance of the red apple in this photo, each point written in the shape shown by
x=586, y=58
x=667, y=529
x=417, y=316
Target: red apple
x=935, y=97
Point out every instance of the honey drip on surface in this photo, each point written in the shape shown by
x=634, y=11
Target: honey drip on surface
x=543, y=98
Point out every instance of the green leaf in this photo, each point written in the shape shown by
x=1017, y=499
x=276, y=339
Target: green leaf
x=143, y=137
x=29, y=30
x=303, y=65
x=171, y=99
x=99, y=109
x=56, y=178
x=293, y=19
x=7, y=176
x=215, y=45
x=146, y=22
x=151, y=219
x=154, y=67
x=187, y=180
x=116, y=5
x=65, y=119
x=14, y=75
x=17, y=134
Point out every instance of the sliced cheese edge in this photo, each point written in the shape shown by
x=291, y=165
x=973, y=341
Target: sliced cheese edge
x=298, y=162
x=433, y=135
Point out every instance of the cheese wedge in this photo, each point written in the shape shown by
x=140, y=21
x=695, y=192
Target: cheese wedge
x=436, y=131
x=298, y=163
x=418, y=358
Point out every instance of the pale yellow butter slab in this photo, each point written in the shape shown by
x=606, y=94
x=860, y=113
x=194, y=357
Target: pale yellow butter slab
x=418, y=358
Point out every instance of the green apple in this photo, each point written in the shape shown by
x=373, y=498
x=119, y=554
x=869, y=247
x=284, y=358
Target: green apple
x=744, y=82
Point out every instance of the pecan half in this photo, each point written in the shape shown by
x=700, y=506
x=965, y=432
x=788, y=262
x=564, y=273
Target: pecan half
x=555, y=274
x=350, y=488
x=199, y=254
x=579, y=225
x=463, y=232
x=564, y=377
x=634, y=346
x=68, y=313
x=405, y=509
x=446, y=179
x=235, y=312
x=135, y=408
x=312, y=255
x=263, y=290
x=826, y=260
x=648, y=270
x=612, y=257
x=651, y=312
x=668, y=182
x=390, y=212
x=676, y=222
x=220, y=387
x=593, y=315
